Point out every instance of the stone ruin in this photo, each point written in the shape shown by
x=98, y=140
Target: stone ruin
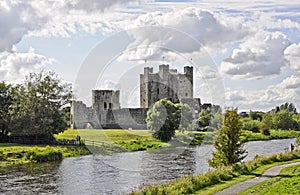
x=106, y=113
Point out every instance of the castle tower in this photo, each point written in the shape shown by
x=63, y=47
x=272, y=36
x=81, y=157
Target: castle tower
x=105, y=99
x=167, y=83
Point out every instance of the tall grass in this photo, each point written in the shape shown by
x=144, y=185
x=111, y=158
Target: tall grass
x=191, y=184
x=45, y=155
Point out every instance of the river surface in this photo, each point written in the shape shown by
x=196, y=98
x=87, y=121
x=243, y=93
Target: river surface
x=119, y=173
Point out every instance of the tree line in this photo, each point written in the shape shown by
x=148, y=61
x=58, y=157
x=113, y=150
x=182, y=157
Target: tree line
x=165, y=117
x=35, y=109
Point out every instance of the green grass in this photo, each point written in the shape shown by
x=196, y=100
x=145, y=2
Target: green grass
x=287, y=182
x=136, y=140
x=14, y=154
x=133, y=140
x=220, y=178
x=275, y=134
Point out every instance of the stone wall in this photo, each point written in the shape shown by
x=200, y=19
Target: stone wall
x=83, y=117
x=167, y=83
x=126, y=118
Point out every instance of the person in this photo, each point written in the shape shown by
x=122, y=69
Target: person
x=292, y=147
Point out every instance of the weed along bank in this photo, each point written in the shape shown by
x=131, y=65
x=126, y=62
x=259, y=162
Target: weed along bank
x=107, y=113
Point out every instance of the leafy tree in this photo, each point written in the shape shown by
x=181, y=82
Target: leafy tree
x=252, y=125
x=256, y=115
x=216, y=120
x=290, y=107
x=205, y=117
x=5, y=102
x=284, y=120
x=265, y=130
x=186, y=118
x=268, y=120
x=229, y=149
x=163, y=118
x=36, y=110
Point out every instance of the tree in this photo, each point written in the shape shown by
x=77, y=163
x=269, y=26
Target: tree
x=284, y=120
x=5, y=102
x=163, y=119
x=36, y=110
x=254, y=115
x=186, y=118
x=216, y=120
x=205, y=117
x=289, y=107
x=229, y=149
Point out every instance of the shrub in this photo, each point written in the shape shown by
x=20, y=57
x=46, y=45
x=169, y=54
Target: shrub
x=252, y=125
x=265, y=130
x=44, y=155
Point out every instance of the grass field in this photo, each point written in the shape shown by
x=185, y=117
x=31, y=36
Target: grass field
x=288, y=182
x=13, y=154
x=136, y=140
x=133, y=140
x=275, y=134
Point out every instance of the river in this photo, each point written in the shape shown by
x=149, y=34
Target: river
x=118, y=173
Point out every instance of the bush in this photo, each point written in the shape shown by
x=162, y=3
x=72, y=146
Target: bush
x=252, y=125
x=44, y=155
x=265, y=130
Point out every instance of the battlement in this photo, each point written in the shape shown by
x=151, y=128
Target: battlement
x=166, y=83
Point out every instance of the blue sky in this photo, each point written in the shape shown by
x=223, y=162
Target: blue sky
x=245, y=55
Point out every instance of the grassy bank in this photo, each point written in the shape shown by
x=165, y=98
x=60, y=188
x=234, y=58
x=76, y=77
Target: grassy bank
x=220, y=178
x=14, y=154
x=132, y=140
x=136, y=140
x=287, y=182
x=275, y=134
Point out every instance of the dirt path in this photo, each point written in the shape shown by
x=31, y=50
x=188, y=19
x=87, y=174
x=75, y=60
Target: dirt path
x=239, y=187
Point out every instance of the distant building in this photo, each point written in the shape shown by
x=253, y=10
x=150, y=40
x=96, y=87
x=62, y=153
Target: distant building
x=106, y=112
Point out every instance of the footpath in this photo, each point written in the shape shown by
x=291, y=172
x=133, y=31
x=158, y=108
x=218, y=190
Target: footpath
x=239, y=187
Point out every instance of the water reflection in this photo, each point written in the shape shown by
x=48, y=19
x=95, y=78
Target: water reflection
x=119, y=173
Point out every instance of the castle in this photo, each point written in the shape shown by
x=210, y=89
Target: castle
x=106, y=112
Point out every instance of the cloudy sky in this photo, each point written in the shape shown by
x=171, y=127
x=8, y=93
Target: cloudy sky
x=245, y=55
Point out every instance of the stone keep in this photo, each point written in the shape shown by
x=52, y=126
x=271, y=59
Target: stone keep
x=106, y=112
x=167, y=83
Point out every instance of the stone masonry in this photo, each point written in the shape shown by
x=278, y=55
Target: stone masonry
x=106, y=112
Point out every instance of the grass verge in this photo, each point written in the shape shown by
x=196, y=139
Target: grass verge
x=287, y=182
x=136, y=140
x=14, y=154
x=220, y=178
x=275, y=134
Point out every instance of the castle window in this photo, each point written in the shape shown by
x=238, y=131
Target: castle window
x=186, y=94
x=157, y=90
x=110, y=105
x=105, y=105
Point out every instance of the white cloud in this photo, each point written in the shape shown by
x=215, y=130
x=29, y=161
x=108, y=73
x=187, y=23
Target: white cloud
x=109, y=85
x=16, y=19
x=292, y=55
x=55, y=18
x=287, y=90
x=292, y=82
x=94, y=5
x=15, y=66
x=207, y=72
x=260, y=56
x=186, y=31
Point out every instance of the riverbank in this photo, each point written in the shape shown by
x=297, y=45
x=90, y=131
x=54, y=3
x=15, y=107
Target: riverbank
x=221, y=178
x=16, y=154
x=286, y=182
x=138, y=140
